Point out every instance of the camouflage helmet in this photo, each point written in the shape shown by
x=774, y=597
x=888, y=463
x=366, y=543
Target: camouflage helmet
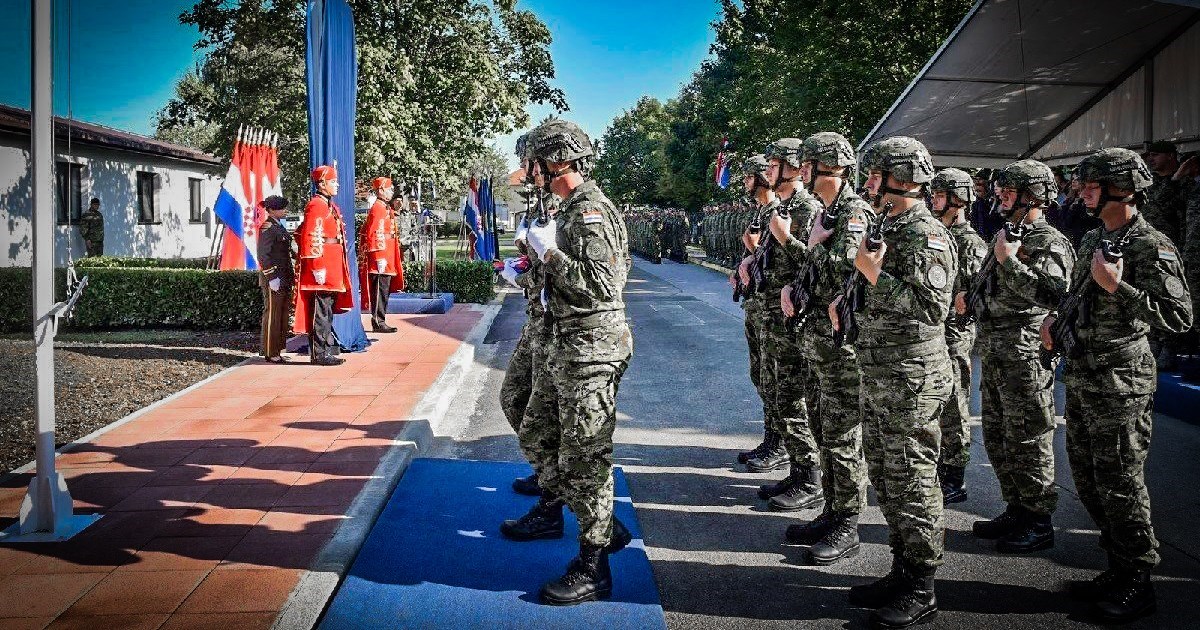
x=558, y=140
x=1121, y=168
x=786, y=150
x=1030, y=177
x=755, y=165
x=829, y=148
x=522, y=148
x=953, y=181
x=905, y=158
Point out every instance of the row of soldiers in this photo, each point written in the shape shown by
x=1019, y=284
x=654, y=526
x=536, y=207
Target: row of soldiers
x=721, y=228
x=861, y=316
x=657, y=233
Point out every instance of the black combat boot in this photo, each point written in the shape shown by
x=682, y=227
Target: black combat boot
x=527, y=485
x=588, y=578
x=841, y=541
x=953, y=488
x=621, y=536
x=759, y=450
x=878, y=593
x=811, y=532
x=773, y=458
x=1098, y=587
x=1131, y=597
x=327, y=359
x=912, y=602
x=545, y=520
x=999, y=526
x=1034, y=532
x=804, y=493
x=765, y=492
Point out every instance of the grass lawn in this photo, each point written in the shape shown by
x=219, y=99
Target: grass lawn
x=449, y=248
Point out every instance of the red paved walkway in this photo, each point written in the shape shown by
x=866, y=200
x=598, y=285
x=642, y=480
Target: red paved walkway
x=215, y=503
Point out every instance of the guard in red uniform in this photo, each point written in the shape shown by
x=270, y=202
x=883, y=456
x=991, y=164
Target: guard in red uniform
x=381, y=272
x=324, y=280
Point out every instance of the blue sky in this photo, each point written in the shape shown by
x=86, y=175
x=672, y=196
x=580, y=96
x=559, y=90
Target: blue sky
x=126, y=56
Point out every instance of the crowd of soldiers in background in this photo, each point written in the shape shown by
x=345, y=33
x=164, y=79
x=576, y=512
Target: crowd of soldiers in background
x=657, y=233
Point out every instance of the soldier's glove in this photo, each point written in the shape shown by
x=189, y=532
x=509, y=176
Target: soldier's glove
x=275, y=284
x=380, y=265
x=510, y=272
x=522, y=230
x=319, y=276
x=542, y=296
x=542, y=238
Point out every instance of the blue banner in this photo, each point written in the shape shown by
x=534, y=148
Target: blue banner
x=332, y=90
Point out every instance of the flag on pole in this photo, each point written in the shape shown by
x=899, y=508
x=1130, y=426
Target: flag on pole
x=722, y=170
x=471, y=216
x=253, y=176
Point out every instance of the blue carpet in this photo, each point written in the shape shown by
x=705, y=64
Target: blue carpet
x=435, y=559
x=1177, y=399
x=419, y=303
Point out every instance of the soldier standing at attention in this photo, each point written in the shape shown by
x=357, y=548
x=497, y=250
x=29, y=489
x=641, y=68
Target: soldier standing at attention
x=382, y=270
x=901, y=350
x=324, y=273
x=277, y=277
x=785, y=373
x=953, y=193
x=585, y=258
x=1017, y=394
x=91, y=229
x=1111, y=376
x=836, y=413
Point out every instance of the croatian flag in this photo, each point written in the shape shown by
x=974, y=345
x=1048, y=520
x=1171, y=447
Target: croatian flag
x=471, y=217
x=722, y=170
x=236, y=211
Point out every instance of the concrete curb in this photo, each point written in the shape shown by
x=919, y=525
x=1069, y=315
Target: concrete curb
x=308, y=599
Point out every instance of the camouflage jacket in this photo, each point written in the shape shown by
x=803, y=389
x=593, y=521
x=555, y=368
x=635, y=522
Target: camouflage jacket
x=1152, y=294
x=908, y=303
x=588, y=272
x=836, y=255
x=785, y=261
x=1030, y=283
x=971, y=252
x=532, y=282
x=91, y=226
x=761, y=215
x=1166, y=206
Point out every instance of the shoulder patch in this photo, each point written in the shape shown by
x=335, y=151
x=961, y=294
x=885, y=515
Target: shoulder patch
x=1166, y=253
x=936, y=276
x=936, y=242
x=592, y=216
x=596, y=250
x=856, y=226
x=1174, y=287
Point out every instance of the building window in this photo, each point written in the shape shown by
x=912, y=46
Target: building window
x=147, y=210
x=68, y=180
x=196, y=198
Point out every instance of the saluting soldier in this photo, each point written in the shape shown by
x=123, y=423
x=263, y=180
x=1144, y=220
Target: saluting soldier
x=382, y=271
x=277, y=277
x=1111, y=376
x=324, y=280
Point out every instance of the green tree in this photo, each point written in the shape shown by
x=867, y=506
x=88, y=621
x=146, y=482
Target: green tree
x=631, y=161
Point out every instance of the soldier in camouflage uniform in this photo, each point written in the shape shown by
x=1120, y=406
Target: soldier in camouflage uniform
x=785, y=375
x=1165, y=208
x=1111, y=376
x=91, y=229
x=953, y=193
x=836, y=415
x=1017, y=395
x=585, y=255
x=907, y=380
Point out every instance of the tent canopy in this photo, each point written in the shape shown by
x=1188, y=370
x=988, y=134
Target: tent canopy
x=1054, y=80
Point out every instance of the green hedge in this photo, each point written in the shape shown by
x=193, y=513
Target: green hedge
x=469, y=280
x=143, y=263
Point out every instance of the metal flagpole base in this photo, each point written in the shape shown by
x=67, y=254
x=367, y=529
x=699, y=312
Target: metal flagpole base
x=57, y=524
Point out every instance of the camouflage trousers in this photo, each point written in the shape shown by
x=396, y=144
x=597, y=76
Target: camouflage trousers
x=786, y=381
x=836, y=417
x=902, y=400
x=568, y=428
x=518, y=377
x=1018, y=422
x=956, y=428
x=753, y=326
x=1108, y=438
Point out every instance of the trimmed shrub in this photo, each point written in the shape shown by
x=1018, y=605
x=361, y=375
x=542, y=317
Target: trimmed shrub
x=469, y=280
x=143, y=263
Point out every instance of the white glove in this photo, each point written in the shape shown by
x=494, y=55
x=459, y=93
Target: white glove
x=380, y=265
x=274, y=284
x=509, y=272
x=542, y=238
x=319, y=276
x=522, y=230
x=542, y=295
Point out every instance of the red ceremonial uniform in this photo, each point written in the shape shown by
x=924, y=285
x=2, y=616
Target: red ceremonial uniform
x=381, y=250
x=322, y=240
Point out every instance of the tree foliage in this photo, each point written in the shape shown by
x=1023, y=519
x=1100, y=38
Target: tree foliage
x=786, y=68
x=437, y=80
x=632, y=163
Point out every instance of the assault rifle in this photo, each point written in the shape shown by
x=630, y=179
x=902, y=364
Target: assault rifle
x=764, y=256
x=853, y=292
x=984, y=283
x=1076, y=309
x=742, y=290
x=801, y=290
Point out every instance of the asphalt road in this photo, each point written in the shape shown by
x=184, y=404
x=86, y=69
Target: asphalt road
x=686, y=407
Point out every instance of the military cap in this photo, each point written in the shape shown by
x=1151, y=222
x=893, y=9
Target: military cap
x=558, y=140
x=1030, y=177
x=274, y=202
x=830, y=148
x=953, y=181
x=1122, y=168
x=786, y=150
x=905, y=158
x=324, y=173
x=1162, y=146
x=379, y=183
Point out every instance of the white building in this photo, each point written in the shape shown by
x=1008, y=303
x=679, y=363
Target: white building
x=156, y=197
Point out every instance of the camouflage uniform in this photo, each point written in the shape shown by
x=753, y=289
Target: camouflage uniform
x=529, y=356
x=91, y=230
x=1016, y=391
x=1165, y=206
x=956, y=431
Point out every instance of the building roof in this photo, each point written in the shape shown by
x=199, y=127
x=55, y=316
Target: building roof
x=1052, y=79
x=16, y=120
